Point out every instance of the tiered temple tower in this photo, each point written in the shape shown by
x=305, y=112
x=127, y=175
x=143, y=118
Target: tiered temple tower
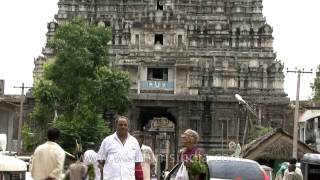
x=187, y=59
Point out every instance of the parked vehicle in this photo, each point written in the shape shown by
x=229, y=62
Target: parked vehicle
x=225, y=168
x=12, y=168
x=268, y=171
x=310, y=166
x=26, y=159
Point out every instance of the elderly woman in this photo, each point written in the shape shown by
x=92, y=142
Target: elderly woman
x=192, y=156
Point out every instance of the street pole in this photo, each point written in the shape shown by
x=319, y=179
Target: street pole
x=245, y=131
x=295, y=123
x=296, y=114
x=20, y=117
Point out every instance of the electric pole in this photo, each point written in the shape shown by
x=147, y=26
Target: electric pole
x=296, y=113
x=20, y=117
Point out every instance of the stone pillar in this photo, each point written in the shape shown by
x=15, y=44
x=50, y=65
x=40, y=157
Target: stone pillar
x=212, y=123
x=182, y=123
x=139, y=17
x=138, y=78
x=255, y=41
x=151, y=16
x=133, y=116
x=206, y=117
x=116, y=40
x=123, y=41
x=265, y=80
x=175, y=80
x=142, y=39
x=260, y=115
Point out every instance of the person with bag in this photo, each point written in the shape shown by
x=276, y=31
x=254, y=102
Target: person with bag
x=182, y=173
x=192, y=158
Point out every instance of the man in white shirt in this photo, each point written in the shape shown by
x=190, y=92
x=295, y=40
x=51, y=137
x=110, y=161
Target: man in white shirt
x=48, y=159
x=296, y=171
x=149, y=160
x=121, y=153
x=91, y=157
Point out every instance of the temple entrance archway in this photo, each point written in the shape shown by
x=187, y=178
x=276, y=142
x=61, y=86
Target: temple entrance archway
x=159, y=127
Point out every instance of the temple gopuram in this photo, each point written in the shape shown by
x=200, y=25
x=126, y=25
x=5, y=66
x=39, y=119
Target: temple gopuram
x=187, y=59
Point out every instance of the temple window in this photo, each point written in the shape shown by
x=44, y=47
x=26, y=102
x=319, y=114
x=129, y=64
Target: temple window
x=159, y=5
x=113, y=39
x=157, y=74
x=137, y=39
x=179, y=40
x=158, y=39
x=120, y=40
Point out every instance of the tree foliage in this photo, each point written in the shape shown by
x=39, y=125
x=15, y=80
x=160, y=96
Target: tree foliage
x=257, y=131
x=316, y=85
x=78, y=86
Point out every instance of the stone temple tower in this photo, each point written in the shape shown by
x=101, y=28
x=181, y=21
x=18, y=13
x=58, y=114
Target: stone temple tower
x=187, y=59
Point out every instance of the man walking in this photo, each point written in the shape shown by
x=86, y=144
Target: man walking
x=48, y=158
x=121, y=154
x=149, y=160
x=293, y=170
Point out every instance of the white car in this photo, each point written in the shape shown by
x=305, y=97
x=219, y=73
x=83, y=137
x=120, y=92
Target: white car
x=229, y=168
x=12, y=168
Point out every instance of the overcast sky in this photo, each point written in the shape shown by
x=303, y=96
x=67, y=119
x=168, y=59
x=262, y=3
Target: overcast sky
x=296, y=32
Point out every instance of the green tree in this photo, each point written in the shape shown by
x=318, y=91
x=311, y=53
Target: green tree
x=316, y=85
x=79, y=85
x=257, y=131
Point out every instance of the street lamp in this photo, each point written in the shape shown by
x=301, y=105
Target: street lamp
x=248, y=107
x=240, y=99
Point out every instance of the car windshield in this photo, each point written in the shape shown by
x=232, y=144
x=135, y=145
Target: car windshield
x=234, y=170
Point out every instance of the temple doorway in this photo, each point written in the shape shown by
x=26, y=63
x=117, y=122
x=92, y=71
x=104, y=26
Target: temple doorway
x=159, y=127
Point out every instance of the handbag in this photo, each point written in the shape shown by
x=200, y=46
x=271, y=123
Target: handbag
x=182, y=173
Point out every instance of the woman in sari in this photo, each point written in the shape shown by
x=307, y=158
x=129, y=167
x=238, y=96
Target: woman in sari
x=193, y=157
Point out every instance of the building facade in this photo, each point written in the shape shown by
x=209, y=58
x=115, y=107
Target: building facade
x=9, y=115
x=309, y=125
x=187, y=59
